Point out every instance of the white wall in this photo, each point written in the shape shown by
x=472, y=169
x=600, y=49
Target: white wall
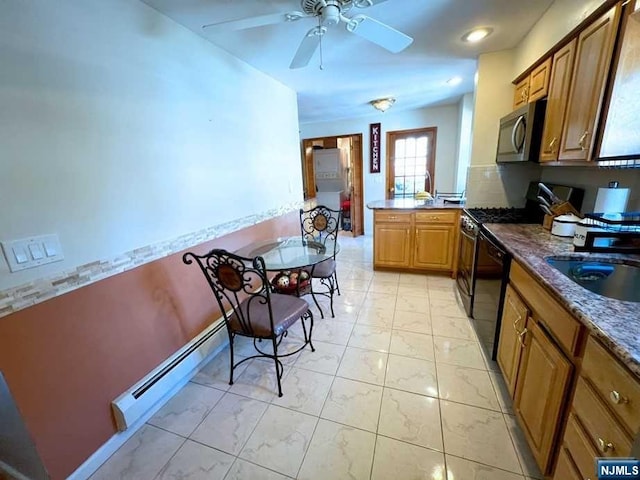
x=465, y=128
x=120, y=128
x=493, y=100
x=445, y=118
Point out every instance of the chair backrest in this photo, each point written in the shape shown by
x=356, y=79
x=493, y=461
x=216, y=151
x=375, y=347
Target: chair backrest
x=237, y=282
x=321, y=224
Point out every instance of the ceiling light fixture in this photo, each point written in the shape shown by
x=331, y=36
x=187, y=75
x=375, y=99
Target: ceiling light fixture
x=452, y=82
x=383, y=104
x=477, y=34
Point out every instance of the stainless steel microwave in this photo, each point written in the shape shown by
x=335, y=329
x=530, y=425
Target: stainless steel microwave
x=521, y=133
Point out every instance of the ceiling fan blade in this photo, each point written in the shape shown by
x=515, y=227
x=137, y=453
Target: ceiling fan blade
x=367, y=3
x=308, y=47
x=379, y=33
x=252, y=22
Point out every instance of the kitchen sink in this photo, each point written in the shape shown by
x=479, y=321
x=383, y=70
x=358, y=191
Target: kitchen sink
x=609, y=278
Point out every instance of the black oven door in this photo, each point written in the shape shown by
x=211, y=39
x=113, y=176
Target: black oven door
x=466, y=263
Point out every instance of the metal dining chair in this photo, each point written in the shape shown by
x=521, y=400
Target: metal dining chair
x=321, y=224
x=249, y=307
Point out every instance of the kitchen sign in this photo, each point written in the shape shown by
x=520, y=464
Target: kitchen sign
x=374, y=147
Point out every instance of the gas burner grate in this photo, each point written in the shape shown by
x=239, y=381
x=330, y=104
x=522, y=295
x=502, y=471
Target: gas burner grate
x=501, y=215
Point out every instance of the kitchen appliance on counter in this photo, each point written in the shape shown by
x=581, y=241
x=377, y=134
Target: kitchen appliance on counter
x=520, y=134
x=565, y=225
x=483, y=263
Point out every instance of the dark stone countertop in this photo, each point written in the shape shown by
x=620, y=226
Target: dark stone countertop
x=614, y=322
x=411, y=204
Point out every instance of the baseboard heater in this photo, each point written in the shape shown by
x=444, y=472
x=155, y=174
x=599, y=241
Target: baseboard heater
x=135, y=402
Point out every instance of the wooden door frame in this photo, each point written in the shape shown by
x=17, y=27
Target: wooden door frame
x=430, y=154
x=357, y=180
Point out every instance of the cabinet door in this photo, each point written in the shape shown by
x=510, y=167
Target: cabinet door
x=557, y=102
x=434, y=246
x=593, y=57
x=543, y=379
x=392, y=245
x=620, y=137
x=539, y=81
x=514, y=319
x=521, y=94
x=565, y=469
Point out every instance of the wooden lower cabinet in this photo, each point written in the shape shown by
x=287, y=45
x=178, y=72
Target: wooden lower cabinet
x=514, y=323
x=432, y=249
x=416, y=240
x=392, y=245
x=543, y=382
x=565, y=469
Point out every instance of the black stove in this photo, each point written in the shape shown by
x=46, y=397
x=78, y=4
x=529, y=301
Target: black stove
x=502, y=215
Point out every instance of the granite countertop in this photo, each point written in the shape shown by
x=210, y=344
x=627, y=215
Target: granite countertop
x=411, y=204
x=616, y=323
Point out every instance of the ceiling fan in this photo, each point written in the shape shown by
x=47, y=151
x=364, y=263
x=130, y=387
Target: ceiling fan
x=328, y=13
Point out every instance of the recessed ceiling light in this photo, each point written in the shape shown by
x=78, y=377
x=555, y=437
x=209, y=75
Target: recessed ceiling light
x=477, y=34
x=452, y=82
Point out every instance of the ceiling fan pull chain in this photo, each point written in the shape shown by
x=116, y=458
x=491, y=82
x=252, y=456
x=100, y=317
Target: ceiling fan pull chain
x=321, y=61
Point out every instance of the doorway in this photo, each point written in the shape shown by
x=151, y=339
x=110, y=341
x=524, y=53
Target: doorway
x=411, y=160
x=351, y=200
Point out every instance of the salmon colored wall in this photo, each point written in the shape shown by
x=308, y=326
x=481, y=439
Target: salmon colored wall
x=67, y=358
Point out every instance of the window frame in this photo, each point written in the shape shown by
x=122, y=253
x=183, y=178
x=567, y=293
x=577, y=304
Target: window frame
x=431, y=133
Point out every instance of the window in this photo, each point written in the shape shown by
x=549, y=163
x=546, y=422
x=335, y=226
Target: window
x=410, y=162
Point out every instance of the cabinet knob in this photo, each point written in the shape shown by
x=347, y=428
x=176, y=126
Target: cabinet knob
x=605, y=446
x=581, y=142
x=392, y=217
x=435, y=218
x=552, y=145
x=617, y=398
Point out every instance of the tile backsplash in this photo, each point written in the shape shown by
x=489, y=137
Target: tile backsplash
x=500, y=185
x=591, y=179
x=506, y=185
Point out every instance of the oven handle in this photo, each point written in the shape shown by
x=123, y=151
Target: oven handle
x=468, y=235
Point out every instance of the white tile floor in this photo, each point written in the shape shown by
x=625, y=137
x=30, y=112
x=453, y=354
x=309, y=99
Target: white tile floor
x=398, y=387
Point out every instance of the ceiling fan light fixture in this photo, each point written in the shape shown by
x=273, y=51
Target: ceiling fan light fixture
x=477, y=34
x=383, y=104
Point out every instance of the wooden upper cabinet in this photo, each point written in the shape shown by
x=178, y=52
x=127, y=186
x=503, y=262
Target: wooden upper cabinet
x=560, y=82
x=521, y=94
x=620, y=136
x=594, y=50
x=539, y=81
x=533, y=87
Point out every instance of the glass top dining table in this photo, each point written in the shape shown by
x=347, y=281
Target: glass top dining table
x=289, y=253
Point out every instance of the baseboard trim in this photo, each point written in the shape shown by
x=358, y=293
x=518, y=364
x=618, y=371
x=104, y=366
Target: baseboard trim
x=95, y=461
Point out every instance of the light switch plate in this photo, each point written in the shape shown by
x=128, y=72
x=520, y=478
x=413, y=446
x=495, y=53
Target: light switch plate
x=32, y=252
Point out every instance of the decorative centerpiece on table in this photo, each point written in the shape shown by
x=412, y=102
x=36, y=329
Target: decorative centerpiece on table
x=291, y=281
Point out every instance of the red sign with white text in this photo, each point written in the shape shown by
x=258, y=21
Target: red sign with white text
x=374, y=147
